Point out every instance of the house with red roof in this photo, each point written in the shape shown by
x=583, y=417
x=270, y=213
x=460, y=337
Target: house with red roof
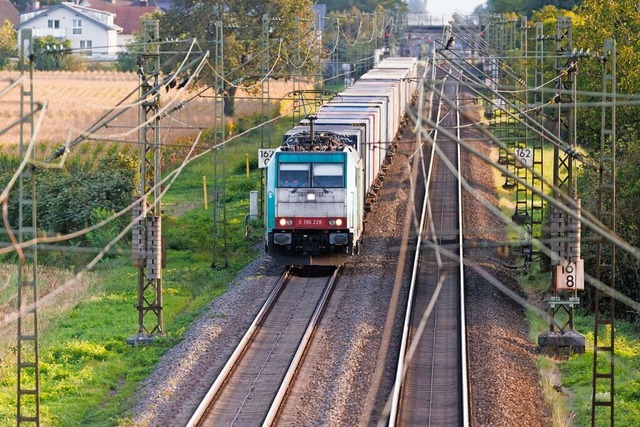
x=8, y=12
x=99, y=29
x=128, y=14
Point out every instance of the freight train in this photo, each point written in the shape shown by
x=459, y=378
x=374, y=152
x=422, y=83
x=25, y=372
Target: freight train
x=321, y=181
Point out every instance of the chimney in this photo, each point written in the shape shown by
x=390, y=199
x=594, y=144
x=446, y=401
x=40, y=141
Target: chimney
x=36, y=5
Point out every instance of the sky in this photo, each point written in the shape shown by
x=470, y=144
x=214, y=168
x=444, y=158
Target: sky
x=440, y=8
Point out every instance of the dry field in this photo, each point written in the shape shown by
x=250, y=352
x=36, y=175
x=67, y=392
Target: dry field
x=76, y=100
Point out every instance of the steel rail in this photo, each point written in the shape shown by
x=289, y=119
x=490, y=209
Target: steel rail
x=393, y=406
x=401, y=369
x=463, y=323
x=240, y=349
x=300, y=352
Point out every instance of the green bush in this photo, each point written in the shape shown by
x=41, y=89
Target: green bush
x=67, y=199
x=74, y=63
x=50, y=52
x=100, y=237
x=243, y=186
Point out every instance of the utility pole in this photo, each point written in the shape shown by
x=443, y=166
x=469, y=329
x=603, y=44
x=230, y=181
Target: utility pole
x=219, y=165
x=536, y=218
x=265, y=141
x=28, y=364
x=567, y=266
x=604, y=322
x=520, y=136
x=147, y=230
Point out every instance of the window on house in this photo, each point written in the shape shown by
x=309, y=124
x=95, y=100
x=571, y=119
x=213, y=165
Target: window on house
x=53, y=23
x=86, y=46
x=77, y=26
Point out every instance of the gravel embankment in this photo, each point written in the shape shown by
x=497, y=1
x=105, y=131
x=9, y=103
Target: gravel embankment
x=348, y=375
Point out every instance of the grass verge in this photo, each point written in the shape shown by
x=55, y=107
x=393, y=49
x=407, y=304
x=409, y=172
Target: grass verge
x=567, y=383
x=88, y=374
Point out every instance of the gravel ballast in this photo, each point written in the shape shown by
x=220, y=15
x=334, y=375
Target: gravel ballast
x=349, y=373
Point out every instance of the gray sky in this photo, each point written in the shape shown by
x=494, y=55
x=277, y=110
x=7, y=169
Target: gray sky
x=440, y=8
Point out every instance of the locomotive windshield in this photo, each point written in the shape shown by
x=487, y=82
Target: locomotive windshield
x=317, y=175
x=293, y=175
x=328, y=175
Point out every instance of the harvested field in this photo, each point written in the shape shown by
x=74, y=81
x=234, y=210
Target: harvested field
x=76, y=100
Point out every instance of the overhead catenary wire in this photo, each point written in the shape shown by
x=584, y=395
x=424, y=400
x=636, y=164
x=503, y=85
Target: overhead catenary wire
x=625, y=246
x=490, y=278
x=4, y=196
x=119, y=109
x=10, y=318
x=261, y=80
x=49, y=297
x=151, y=119
x=79, y=233
x=544, y=248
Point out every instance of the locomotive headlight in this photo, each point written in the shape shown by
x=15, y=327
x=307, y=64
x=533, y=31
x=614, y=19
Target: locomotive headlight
x=311, y=196
x=332, y=222
x=339, y=222
x=285, y=221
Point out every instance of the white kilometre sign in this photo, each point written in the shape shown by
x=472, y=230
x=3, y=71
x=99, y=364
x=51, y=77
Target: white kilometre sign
x=570, y=275
x=264, y=155
x=524, y=157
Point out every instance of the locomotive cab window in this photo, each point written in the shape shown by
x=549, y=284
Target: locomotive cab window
x=328, y=175
x=293, y=175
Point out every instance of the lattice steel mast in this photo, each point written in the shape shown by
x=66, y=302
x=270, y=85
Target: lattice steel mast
x=28, y=364
x=603, y=342
x=220, y=259
x=147, y=236
x=567, y=267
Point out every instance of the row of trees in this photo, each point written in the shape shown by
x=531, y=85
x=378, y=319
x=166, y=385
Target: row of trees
x=618, y=20
x=593, y=21
x=293, y=46
x=528, y=7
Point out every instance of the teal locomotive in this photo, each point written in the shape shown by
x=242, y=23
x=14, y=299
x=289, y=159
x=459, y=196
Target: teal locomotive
x=323, y=178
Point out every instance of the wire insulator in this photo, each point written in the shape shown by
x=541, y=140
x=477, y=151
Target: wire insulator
x=557, y=231
x=137, y=231
x=154, y=247
x=573, y=235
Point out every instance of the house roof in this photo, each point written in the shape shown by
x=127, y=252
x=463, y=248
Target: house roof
x=72, y=8
x=127, y=13
x=9, y=12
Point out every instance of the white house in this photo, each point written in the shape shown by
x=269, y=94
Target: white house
x=128, y=14
x=91, y=31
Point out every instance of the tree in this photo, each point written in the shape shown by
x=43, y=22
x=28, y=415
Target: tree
x=291, y=31
x=8, y=42
x=352, y=36
x=49, y=52
x=369, y=6
x=527, y=7
x=618, y=20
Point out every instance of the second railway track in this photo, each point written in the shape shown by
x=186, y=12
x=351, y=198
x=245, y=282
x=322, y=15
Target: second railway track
x=432, y=370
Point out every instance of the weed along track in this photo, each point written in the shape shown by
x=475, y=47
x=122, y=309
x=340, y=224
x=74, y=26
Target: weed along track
x=355, y=187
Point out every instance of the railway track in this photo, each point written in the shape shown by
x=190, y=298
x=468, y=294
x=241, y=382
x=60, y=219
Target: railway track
x=432, y=370
x=253, y=384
